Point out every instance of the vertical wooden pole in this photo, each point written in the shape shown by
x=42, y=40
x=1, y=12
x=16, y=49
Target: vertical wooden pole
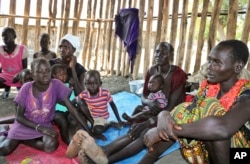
x=213, y=24
x=135, y=3
x=105, y=50
x=165, y=14
x=246, y=27
x=87, y=33
x=59, y=30
x=115, y=40
x=52, y=14
x=12, y=11
x=98, y=40
x=182, y=36
x=246, y=30
x=77, y=14
x=200, y=41
x=25, y=22
x=232, y=19
x=139, y=46
x=123, y=50
x=191, y=35
x=109, y=66
x=92, y=29
x=129, y=3
x=174, y=22
x=38, y=24
x=120, y=47
x=66, y=17
x=48, y=27
x=148, y=37
x=159, y=22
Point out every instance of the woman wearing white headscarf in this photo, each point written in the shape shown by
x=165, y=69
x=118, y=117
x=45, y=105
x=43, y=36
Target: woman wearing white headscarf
x=76, y=72
x=67, y=47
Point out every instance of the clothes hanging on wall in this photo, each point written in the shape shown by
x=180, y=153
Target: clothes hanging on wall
x=127, y=29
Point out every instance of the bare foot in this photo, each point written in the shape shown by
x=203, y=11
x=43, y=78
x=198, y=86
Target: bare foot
x=75, y=144
x=82, y=157
x=93, y=151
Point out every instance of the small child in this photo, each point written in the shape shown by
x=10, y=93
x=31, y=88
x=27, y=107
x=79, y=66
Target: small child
x=59, y=71
x=95, y=104
x=155, y=86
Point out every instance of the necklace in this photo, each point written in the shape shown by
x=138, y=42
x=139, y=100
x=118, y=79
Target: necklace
x=228, y=99
x=167, y=72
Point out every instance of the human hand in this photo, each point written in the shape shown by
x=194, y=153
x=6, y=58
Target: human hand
x=165, y=125
x=136, y=129
x=72, y=62
x=154, y=106
x=48, y=131
x=71, y=82
x=151, y=137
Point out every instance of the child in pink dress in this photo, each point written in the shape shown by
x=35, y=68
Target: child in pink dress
x=13, y=59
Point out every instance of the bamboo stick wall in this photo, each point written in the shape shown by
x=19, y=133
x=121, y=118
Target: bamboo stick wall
x=193, y=27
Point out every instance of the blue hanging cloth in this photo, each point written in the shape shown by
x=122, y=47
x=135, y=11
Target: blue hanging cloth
x=127, y=29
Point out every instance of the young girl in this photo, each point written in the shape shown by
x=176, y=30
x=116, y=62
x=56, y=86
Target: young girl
x=45, y=52
x=13, y=59
x=36, y=102
x=155, y=86
x=75, y=72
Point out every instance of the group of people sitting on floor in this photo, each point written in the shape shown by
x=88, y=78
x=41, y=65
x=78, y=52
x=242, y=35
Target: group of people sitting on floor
x=61, y=91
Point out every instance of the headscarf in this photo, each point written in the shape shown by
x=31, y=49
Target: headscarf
x=73, y=40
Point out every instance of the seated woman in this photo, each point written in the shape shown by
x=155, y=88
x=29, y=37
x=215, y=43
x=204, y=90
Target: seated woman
x=13, y=59
x=132, y=142
x=205, y=137
x=75, y=75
